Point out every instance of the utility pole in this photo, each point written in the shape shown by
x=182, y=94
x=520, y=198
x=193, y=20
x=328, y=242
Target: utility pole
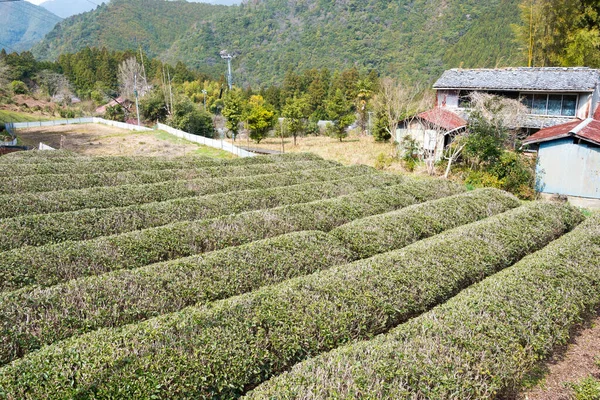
x=226, y=56
x=137, y=104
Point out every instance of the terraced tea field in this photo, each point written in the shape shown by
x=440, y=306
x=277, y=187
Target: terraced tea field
x=280, y=277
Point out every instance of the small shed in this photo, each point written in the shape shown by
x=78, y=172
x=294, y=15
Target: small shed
x=432, y=130
x=569, y=158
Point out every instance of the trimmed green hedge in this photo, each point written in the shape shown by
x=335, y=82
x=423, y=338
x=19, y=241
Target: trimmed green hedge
x=224, y=349
x=124, y=297
x=51, y=264
x=38, y=156
x=42, y=229
x=47, y=183
x=120, y=196
x=479, y=345
x=386, y=232
x=123, y=163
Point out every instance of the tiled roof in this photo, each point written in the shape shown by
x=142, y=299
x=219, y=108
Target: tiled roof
x=587, y=130
x=525, y=79
x=443, y=118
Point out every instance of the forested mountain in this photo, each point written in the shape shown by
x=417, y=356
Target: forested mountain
x=413, y=39
x=23, y=24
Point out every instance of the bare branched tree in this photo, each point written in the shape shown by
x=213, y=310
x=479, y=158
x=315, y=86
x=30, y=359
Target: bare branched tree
x=501, y=112
x=130, y=74
x=396, y=102
x=56, y=85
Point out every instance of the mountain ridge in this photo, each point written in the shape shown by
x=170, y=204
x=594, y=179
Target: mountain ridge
x=24, y=24
x=413, y=39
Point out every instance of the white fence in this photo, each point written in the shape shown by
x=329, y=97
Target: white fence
x=44, y=146
x=217, y=144
x=73, y=121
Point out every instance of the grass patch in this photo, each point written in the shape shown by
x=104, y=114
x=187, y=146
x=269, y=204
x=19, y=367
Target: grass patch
x=15, y=116
x=202, y=150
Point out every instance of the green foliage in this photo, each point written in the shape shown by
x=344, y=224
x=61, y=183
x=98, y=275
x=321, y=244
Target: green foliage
x=410, y=152
x=222, y=350
x=159, y=289
x=260, y=118
x=480, y=341
x=586, y=389
x=18, y=87
x=233, y=111
x=572, y=41
x=153, y=107
x=415, y=40
x=115, y=113
x=380, y=127
x=43, y=265
x=296, y=112
x=485, y=143
x=385, y=232
x=136, y=187
x=339, y=111
x=188, y=118
x=87, y=224
x=66, y=181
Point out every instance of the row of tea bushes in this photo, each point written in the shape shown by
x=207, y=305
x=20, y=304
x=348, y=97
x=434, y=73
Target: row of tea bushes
x=38, y=230
x=30, y=319
x=121, y=196
x=38, y=156
x=21, y=185
x=51, y=264
x=385, y=232
x=123, y=163
x=479, y=345
x=43, y=316
x=227, y=347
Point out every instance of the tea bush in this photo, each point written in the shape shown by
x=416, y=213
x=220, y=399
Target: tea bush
x=478, y=345
x=51, y=264
x=226, y=348
x=37, y=230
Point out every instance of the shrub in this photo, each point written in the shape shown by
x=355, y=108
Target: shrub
x=386, y=232
x=222, y=350
x=119, y=196
x=80, y=305
x=241, y=174
x=50, y=264
x=18, y=87
x=37, y=230
x=480, y=344
x=117, y=164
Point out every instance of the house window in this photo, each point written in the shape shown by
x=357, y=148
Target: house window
x=551, y=104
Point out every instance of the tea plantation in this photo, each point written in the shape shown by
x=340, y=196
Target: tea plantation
x=277, y=277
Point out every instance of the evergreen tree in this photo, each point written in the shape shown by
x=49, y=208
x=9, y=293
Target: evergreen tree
x=339, y=110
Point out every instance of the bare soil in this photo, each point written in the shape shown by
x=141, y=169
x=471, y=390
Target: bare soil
x=95, y=139
x=352, y=150
x=571, y=366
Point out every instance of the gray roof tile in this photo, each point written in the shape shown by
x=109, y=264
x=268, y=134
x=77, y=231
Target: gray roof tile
x=534, y=79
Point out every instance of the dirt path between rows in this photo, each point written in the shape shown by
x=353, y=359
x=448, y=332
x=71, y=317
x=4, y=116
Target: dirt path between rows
x=577, y=363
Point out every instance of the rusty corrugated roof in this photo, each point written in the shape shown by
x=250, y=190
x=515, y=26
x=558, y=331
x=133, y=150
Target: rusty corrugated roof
x=443, y=118
x=587, y=130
